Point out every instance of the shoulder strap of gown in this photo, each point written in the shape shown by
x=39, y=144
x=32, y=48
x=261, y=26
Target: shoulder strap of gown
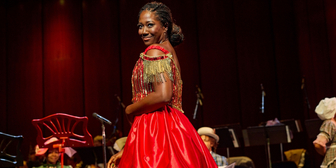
x=152, y=66
x=156, y=47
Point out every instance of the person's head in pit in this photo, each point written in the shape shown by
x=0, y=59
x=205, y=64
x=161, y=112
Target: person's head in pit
x=97, y=141
x=52, y=156
x=209, y=137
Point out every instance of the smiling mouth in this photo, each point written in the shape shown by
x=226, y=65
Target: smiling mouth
x=145, y=38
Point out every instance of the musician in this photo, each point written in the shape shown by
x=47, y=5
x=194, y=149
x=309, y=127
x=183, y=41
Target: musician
x=51, y=158
x=98, y=140
x=210, y=138
x=325, y=143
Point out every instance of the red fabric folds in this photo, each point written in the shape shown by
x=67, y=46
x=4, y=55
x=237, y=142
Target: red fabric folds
x=165, y=139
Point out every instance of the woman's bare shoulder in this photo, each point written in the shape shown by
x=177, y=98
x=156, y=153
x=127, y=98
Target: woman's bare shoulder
x=155, y=51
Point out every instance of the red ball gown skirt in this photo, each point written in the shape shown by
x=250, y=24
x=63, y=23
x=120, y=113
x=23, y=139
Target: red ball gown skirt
x=165, y=139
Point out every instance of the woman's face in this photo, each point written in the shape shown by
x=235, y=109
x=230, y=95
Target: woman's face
x=150, y=30
x=53, y=156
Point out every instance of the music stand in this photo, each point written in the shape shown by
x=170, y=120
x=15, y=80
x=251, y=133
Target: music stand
x=256, y=136
x=236, y=128
x=313, y=127
x=227, y=138
x=294, y=125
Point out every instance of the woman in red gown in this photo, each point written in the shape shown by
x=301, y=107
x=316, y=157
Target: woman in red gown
x=161, y=135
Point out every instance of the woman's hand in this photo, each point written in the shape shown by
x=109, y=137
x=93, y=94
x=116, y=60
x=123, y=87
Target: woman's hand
x=320, y=149
x=115, y=159
x=128, y=109
x=129, y=115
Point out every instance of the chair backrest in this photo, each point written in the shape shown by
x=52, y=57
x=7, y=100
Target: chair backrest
x=10, y=142
x=298, y=156
x=241, y=161
x=61, y=126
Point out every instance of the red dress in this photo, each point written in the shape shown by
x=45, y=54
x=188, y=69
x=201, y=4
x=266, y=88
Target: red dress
x=163, y=138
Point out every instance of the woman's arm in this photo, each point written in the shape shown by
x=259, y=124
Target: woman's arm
x=161, y=95
x=320, y=144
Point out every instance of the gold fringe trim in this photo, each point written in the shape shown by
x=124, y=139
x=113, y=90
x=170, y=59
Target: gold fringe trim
x=153, y=69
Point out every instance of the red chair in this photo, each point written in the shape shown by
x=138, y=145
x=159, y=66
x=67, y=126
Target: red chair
x=66, y=129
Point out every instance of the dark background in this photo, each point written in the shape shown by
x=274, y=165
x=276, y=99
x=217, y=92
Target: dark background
x=74, y=56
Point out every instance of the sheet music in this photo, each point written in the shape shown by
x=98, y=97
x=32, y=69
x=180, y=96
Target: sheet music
x=234, y=139
x=297, y=126
x=232, y=165
x=289, y=140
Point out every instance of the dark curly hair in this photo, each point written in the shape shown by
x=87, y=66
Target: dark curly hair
x=164, y=15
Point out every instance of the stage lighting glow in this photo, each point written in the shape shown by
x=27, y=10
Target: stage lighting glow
x=62, y=2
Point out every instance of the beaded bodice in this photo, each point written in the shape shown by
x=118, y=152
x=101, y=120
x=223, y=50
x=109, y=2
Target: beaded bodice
x=148, y=69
